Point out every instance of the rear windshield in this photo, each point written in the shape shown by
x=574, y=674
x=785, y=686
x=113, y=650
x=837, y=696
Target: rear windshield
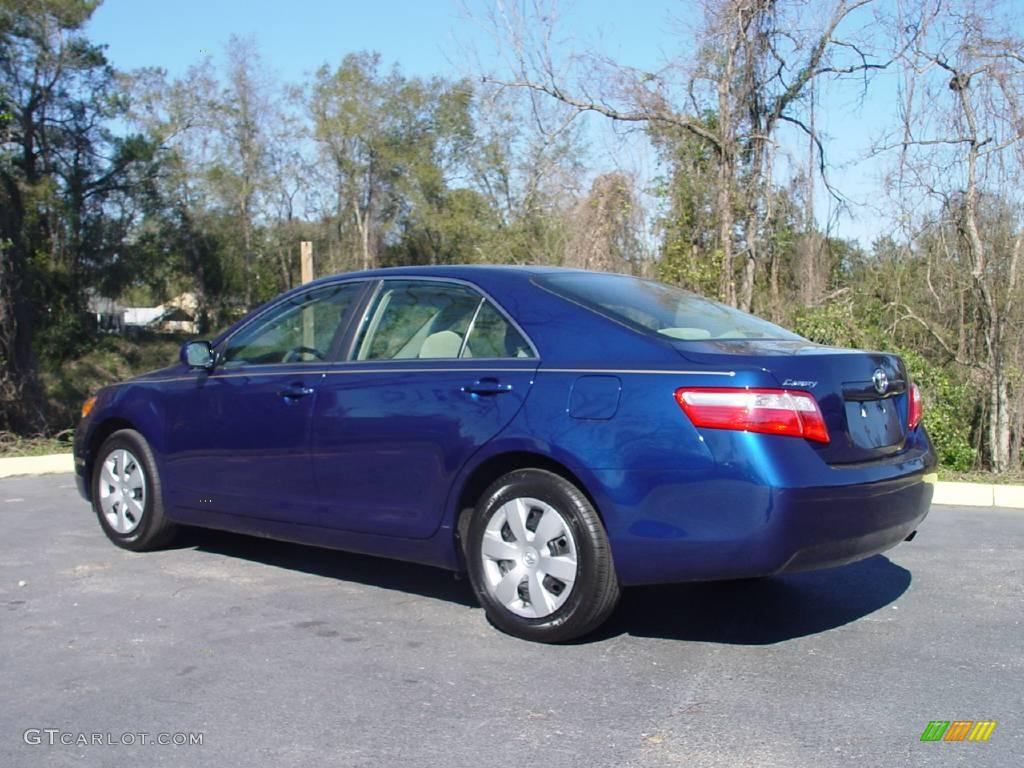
x=662, y=309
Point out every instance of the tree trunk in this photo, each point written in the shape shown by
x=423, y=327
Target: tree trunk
x=727, y=289
x=773, y=283
x=21, y=394
x=22, y=401
x=745, y=300
x=999, y=423
x=1017, y=434
x=726, y=179
x=247, y=254
x=992, y=319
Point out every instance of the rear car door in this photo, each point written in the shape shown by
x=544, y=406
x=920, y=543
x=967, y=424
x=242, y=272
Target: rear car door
x=436, y=370
x=238, y=437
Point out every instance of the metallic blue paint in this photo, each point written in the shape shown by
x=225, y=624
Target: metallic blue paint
x=235, y=442
x=374, y=457
x=595, y=397
x=388, y=444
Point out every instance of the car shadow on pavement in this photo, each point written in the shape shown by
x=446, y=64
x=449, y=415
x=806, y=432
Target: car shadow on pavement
x=333, y=564
x=759, y=611
x=749, y=612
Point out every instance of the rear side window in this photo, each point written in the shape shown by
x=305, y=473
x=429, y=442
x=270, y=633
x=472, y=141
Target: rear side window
x=420, y=319
x=661, y=309
x=494, y=336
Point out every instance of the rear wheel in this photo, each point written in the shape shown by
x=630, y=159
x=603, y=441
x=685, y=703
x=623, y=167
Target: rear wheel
x=539, y=559
x=126, y=493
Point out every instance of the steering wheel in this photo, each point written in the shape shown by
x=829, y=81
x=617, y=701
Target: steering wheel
x=295, y=354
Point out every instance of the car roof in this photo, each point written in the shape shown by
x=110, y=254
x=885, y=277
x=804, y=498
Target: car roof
x=453, y=271
x=486, y=275
x=545, y=321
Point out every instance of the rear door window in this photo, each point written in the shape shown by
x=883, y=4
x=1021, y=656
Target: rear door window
x=428, y=320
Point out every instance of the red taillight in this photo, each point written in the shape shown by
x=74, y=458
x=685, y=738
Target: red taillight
x=916, y=407
x=771, y=411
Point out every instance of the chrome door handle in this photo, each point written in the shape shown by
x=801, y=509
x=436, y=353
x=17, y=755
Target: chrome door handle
x=295, y=391
x=486, y=387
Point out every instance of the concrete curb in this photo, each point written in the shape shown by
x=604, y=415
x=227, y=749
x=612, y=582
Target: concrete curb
x=54, y=464
x=953, y=494
x=979, y=495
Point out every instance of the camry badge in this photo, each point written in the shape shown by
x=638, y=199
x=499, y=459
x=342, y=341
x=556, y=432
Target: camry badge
x=880, y=380
x=801, y=383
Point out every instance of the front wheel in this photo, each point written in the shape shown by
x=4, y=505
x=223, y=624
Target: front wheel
x=126, y=493
x=539, y=559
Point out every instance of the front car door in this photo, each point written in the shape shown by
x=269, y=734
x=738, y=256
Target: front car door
x=238, y=437
x=435, y=371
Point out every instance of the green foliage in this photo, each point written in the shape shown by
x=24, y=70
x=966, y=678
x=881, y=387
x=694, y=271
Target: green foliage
x=949, y=410
x=395, y=144
x=63, y=183
x=685, y=266
x=69, y=381
x=691, y=255
x=835, y=324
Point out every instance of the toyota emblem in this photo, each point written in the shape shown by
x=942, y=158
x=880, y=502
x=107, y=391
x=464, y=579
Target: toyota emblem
x=881, y=381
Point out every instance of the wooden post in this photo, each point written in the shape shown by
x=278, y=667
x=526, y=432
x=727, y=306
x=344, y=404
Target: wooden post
x=306, y=260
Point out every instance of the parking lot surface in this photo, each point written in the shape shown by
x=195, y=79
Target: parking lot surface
x=282, y=655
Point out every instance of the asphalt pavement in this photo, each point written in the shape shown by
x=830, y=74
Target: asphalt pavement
x=280, y=655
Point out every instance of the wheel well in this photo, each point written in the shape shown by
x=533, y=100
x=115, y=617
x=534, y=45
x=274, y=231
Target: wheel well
x=499, y=465
x=103, y=431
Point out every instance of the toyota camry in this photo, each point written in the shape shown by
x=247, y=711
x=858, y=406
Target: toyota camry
x=557, y=434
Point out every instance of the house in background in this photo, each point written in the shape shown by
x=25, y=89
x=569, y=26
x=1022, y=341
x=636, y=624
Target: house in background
x=177, y=320
x=142, y=317
x=175, y=316
x=108, y=314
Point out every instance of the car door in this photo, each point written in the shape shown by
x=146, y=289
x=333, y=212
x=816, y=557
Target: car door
x=238, y=436
x=436, y=370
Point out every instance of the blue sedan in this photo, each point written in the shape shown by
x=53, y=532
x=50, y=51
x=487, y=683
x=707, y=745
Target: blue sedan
x=557, y=434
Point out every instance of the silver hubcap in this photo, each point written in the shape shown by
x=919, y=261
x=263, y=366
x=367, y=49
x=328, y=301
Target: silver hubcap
x=529, y=558
x=122, y=490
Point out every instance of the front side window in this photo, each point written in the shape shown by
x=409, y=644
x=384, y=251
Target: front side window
x=298, y=330
x=418, y=319
x=661, y=309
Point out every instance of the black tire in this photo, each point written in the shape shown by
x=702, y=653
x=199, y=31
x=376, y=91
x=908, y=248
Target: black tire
x=595, y=592
x=154, y=530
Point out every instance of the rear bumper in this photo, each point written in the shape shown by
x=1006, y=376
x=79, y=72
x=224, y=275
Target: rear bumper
x=835, y=526
x=723, y=529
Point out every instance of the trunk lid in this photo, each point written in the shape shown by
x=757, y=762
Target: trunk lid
x=863, y=396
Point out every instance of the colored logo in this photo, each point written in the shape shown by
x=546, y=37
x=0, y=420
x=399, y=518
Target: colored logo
x=958, y=730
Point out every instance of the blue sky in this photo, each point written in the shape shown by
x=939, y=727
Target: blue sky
x=298, y=36
x=430, y=37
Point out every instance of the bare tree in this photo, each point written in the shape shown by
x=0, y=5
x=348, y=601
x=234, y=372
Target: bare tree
x=605, y=227
x=754, y=62
x=243, y=113
x=962, y=141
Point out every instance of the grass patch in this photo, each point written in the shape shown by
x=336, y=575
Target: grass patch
x=17, y=445
x=111, y=359
x=977, y=476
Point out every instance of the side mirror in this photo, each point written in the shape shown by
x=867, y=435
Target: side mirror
x=198, y=354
